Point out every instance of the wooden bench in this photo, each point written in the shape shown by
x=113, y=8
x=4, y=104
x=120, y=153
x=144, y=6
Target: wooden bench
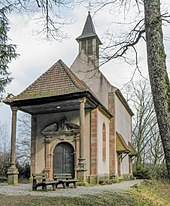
x=40, y=180
x=3, y=179
x=64, y=179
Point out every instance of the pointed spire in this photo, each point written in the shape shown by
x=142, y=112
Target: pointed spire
x=88, y=30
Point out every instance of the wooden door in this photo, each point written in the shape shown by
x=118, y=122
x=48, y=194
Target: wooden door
x=63, y=159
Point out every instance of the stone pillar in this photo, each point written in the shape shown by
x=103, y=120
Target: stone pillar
x=13, y=171
x=112, y=135
x=82, y=126
x=93, y=149
x=76, y=139
x=47, y=157
x=130, y=165
x=33, y=143
x=119, y=165
x=81, y=165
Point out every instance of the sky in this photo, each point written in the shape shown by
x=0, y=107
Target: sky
x=37, y=54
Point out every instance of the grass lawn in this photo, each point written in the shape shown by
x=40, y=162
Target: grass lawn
x=150, y=193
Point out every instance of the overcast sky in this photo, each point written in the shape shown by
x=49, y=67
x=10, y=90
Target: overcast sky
x=37, y=55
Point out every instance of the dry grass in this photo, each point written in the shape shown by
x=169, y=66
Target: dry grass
x=150, y=193
x=156, y=192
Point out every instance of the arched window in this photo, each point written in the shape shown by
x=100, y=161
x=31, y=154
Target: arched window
x=104, y=143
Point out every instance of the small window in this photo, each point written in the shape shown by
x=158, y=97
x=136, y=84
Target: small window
x=104, y=143
x=84, y=45
x=90, y=47
x=97, y=50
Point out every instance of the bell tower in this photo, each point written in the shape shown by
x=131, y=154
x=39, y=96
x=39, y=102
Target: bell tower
x=89, y=41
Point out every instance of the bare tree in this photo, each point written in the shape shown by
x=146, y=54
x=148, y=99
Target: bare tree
x=156, y=154
x=144, y=122
x=4, y=150
x=51, y=15
x=23, y=145
x=145, y=133
x=24, y=139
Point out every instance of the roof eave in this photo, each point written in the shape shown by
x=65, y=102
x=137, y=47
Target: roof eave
x=89, y=36
x=83, y=93
x=32, y=101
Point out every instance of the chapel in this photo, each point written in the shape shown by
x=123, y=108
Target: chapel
x=80, y=123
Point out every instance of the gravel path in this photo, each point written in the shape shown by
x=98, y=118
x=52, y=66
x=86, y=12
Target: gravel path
x=25, y=190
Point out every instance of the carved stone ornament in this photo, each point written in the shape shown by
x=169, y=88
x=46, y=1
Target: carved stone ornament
x=81, y=165
x=62, y=127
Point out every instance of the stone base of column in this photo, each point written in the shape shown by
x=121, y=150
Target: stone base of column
x=13, y=175
x=81, y=172
x=93, y=179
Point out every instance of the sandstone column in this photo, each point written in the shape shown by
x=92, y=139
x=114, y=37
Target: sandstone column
x=93, y=149
x=112, y=136
x=47, y=157
x=76, y=139
x=33, y=143
x=81, y=165
x=13, y=171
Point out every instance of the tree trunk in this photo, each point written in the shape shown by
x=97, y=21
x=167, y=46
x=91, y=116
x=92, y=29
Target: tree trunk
x=157, y=72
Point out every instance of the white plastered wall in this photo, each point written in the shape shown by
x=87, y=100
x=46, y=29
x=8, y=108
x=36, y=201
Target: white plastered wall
x=125, y=165
x=103, y=166
x=123, y=124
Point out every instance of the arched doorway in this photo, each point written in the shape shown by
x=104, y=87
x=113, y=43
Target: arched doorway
x=63, y=159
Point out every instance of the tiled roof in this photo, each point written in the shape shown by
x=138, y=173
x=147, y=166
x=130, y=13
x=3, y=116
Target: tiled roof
x=132, y=149
x=57, y=80
x=88, y=30
x=121, y=145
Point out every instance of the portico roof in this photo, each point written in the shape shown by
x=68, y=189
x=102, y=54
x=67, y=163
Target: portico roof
x=57, y=90
x=56, y=81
